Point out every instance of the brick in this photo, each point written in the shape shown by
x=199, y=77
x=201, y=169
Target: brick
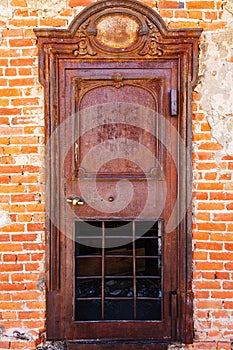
x=10, y=315
x=181, y=13
x=23, y=198
x=27, y=22
x=18, y=3
x=223, y=217
x=200, y=236
x=229, y=186
x=208, y=186
x=168, y=4
x=10, y=169
x=202, y=136
x=53, y=22
x=12, y=189
x=22, y=62
x=12, y=287
x=210, y=206
x=22, y=345
x=213, y=26
x=212, y=15
x=222, y=275
x=228, y=285
x=24, y=218
x=221, y=196
x=11, y=306
x=200, y=255
x=224, y=346
x=4, y=237
x=10, y=92
x=221, y=256
x=32, y=266
x=24, y=101
x=208, y=275
x=209, y=266
x=10, y=111
x=229, y=246
x=200, y=195
x=35, y=227
x=209, y=246
x=4, y=297
x=202, y=294
x=195, y=14
x=203, y=216
x=26, y=296
x=7, y=247
x=221, y=237
x=4, y=344
x=4, y=277
x=211, y=227
x=24, y=140
x=210, y=146
x=36, y=305
x=222, y=295
x=209, y=304
x=24, y=277
x=10, y=257
x=200, y=5
x=33, y=246
x=207, y=285
x=21, y=82
x=23, y=257
x=73, y=3
x=225, y=177
x=166, y=13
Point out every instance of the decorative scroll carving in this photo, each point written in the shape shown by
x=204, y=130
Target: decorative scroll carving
x=151, y=46
x=118, y=80
x=84, y=44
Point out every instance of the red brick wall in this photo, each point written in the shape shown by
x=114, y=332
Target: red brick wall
x=22, y=298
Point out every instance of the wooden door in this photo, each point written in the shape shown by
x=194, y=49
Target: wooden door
x=117, y=97
x=119, y=167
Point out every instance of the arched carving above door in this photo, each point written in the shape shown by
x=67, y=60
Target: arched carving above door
x=136, y=32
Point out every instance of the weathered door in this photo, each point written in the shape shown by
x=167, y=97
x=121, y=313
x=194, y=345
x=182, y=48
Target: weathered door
x=117, y=85
x=120, y=169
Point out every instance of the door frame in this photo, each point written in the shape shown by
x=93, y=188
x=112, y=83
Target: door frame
x=155, y=42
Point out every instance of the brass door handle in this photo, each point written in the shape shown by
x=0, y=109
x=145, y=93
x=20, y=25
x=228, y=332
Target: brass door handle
x=75, y=201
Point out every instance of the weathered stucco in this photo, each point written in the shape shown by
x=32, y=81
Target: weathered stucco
x=50, y=8
x=216, y=75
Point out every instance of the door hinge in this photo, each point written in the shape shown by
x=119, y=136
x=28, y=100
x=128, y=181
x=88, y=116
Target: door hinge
x=173, y=102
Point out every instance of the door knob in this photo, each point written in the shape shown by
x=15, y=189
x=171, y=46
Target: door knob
x=75, y=201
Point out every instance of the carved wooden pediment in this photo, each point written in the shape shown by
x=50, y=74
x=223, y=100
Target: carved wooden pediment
x=116, y=29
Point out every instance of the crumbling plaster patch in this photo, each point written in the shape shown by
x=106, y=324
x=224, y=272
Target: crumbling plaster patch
x=49, y=8
x=216, y=74
x=5, y=14
x=4, y=218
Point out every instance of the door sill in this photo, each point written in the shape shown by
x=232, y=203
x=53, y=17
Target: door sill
x=116, y=345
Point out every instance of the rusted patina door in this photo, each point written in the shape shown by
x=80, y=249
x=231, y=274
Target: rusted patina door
x=117, y=86
x=121, y=188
